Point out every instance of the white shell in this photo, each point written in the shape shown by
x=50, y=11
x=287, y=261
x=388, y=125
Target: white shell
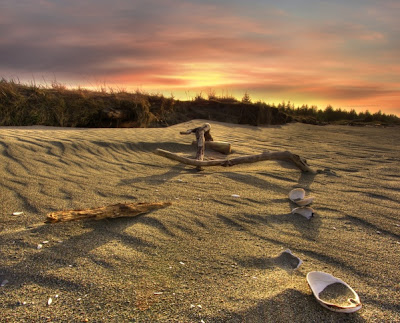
x=298, y=196
x=291, y=257
x=305, y=211
x=318, y=281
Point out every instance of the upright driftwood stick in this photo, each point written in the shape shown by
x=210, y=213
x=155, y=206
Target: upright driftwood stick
x=300, y=162
x=202, y=134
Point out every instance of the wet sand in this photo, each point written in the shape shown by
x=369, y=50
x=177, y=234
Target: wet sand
x=209, y=256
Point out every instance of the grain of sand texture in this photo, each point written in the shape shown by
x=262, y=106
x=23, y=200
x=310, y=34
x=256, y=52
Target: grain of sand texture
x=209, y=256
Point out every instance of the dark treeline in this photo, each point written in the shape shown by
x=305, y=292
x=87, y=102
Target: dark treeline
x=329, y=114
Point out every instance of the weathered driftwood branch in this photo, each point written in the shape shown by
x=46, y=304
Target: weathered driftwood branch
x=206, y=127
x=300, y=162
x=109, y=211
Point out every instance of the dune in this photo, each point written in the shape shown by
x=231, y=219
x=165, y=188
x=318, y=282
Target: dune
x=211, y=255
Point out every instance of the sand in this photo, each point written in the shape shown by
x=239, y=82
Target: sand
x=211, y=255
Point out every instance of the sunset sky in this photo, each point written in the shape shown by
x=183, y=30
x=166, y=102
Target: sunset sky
x=344, y=52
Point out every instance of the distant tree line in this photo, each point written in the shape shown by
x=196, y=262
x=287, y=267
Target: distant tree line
x=332, y=115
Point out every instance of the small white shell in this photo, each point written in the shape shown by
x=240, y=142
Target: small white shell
x=18, y=213
x=305, y=211
x=347, y=302
x=288, y=259
x=297, y=196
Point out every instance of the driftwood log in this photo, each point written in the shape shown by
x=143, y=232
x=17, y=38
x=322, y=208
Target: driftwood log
x=300, y=162
x=220, y=146
x=109, y=211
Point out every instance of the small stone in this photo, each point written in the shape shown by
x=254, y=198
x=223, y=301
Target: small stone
x=181, y=262
x=4, y=283
x=378, y=232
x=39, y=246
x=235, y=195
x=49, y=301
x=199, y=306
x=46, y=241
x=18, y=213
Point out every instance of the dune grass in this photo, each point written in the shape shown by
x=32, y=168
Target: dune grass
x=56, y=105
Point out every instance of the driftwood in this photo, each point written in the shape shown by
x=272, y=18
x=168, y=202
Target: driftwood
x=300, y=162
x=220, y=146
x=202, y=134
x=109, y=211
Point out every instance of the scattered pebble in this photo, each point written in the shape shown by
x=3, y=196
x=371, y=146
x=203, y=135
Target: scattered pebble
x=4, y=283
x=199, y=306
x=192, y=306
x=39, y=246
x=49, y=301
x=397, y=225
x=18, y=213
x=46, y=241
x=158, y=293
x=334, y=228
x=378, y=232
x=181, y=262
x=235, y=195
x=179, y=180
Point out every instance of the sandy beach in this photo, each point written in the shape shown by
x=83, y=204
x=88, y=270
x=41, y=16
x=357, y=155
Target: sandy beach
x=211, y=255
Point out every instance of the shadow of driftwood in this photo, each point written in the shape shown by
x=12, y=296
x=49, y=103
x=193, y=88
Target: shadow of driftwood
x=33, y=268
x=289, y=306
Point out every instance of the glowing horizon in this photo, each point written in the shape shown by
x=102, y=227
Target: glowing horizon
x=316, y=53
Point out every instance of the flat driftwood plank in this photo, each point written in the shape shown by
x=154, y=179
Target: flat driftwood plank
x=300, y=162
x=110, y=211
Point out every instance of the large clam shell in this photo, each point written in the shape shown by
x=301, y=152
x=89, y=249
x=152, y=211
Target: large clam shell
x=333, y=293
x=305, y=211
x=298, y=196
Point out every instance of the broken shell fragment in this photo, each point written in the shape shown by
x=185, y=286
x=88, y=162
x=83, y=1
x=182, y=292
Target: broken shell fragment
x=305, y=211
x=333, y=293
x=298, y=196
x=288, y=260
